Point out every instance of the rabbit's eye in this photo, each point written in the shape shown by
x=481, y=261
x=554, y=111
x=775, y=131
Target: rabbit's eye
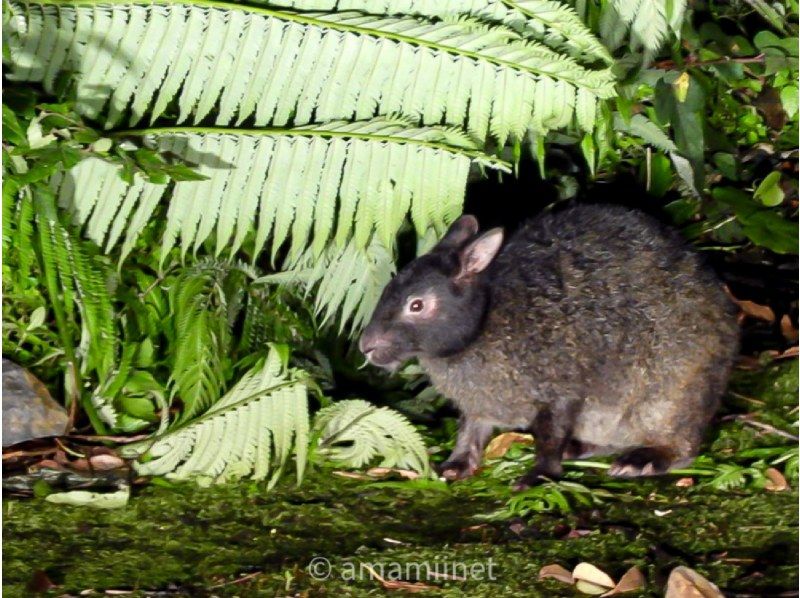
x=415, y=306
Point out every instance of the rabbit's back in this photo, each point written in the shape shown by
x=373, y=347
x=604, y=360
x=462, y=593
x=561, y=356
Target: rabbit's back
x=604, y=306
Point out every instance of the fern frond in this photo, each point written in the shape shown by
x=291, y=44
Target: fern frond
x=273, y=66
x=253, y=430
x=81, y=279
x=355, y=433
x=98, y=322
x=641, y=126
x=18, y=223
x=346, y=281
x=202, y=339
x=554, y=23
x=285, y=183
x=649, y=23
x=559, y=26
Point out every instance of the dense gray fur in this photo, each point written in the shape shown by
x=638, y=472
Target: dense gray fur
x=595, y=328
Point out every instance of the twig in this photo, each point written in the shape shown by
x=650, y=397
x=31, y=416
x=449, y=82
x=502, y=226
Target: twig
x=768, y=428
x=101, y=438
x=693, y=61
x=746, y=398
x=35, y=453
x=242, y=579
x=69, y=451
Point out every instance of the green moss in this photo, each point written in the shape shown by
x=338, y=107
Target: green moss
x=188, y=540
x=191, y=539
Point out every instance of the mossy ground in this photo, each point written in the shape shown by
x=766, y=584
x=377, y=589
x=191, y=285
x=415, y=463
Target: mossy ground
x=238, y=540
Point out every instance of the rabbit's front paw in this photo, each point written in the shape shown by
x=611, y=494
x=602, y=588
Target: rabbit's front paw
x=457, y=469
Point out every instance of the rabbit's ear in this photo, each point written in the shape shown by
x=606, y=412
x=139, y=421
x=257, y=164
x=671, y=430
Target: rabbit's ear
x=478, y=254
x=460, y=231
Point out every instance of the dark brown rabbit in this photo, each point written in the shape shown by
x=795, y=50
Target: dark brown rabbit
x=595, y=328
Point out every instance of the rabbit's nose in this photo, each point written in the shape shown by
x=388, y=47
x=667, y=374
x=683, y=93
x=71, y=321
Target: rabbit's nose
x=372, y=340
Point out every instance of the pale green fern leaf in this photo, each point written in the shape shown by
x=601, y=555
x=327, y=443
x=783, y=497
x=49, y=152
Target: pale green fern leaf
x=254, y=429
x=356, y=433
x=326, y=65
x=554, y=23
x=347, y=282
x=285, y=183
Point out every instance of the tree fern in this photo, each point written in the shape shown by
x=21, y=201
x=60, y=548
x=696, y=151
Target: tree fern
x=348, y=282
x=272, y=66
x=253, y=430
x=356, y=433
x=342, y=181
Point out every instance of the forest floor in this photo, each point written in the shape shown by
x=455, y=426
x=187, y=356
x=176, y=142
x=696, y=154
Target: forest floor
x=239, y=540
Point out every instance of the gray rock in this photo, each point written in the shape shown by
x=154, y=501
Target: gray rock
x=28, y=409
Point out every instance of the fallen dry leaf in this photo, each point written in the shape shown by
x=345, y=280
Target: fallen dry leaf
x=556, y=572
x=630, y=582
x=48, y=464
x=500, y=444
x=753, y=309
x=685, y=483
x=591, y=580
x=382, y=472
x=776, y=482
x=106, y=462
x=788, y=330
x=352, y=475
x=406, y=586
x=688, y=583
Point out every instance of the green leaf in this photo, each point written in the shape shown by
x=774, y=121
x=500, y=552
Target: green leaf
x=769, y=192
x=789, y=100
x=13, y=131
x=763, y=226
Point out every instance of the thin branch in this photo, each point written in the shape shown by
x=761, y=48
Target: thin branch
x=693, y=61
x=36, y=453
x=768, y=428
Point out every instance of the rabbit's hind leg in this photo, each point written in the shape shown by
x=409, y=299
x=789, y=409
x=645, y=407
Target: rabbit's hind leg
x=643, y=461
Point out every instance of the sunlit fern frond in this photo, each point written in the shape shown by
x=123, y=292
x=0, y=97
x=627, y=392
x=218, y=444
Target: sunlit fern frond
x=356, y=433
x=272, y=66
x=554, y=23
x=347, y=282
x=308, y=185
x=253, y=430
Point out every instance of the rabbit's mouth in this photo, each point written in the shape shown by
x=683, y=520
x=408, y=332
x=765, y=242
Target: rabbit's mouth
x=383, y=358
